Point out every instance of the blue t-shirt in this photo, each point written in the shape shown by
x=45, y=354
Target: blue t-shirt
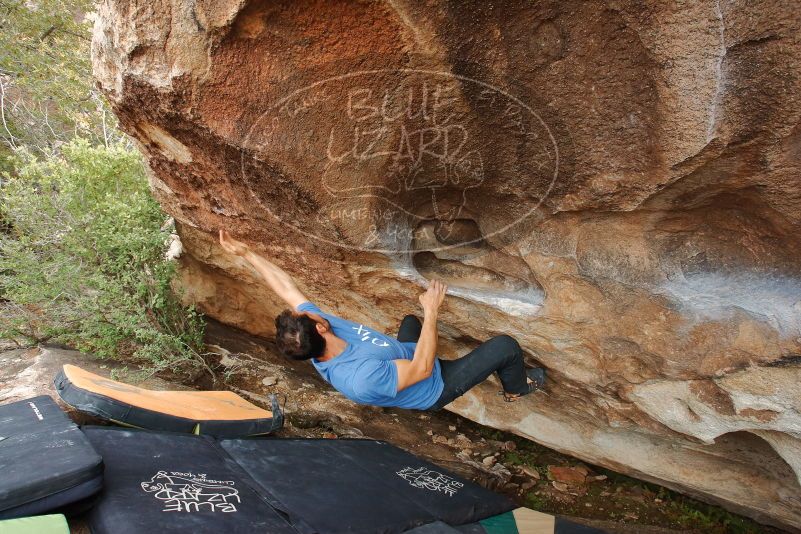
x=365, y=373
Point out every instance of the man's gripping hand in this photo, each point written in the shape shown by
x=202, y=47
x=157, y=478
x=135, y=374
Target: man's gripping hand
x=231, y=245
x=432, y=299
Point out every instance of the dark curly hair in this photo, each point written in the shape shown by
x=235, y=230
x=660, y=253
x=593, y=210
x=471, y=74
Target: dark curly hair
x=297, y=336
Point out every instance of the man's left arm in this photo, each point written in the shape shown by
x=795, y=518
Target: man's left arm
x=421, y=366
x=278, y=279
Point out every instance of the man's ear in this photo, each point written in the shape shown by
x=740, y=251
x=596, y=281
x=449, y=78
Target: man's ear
x=321, y=328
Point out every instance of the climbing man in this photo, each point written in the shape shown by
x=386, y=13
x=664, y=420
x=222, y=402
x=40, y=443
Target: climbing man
x=369, y=367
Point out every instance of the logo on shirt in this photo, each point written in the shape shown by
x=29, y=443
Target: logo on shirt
x=366, y=336
x=423, y=478
x=187, y=492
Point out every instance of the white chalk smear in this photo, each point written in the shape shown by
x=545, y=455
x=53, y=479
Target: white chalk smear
x=774, y=299
x=519, y=304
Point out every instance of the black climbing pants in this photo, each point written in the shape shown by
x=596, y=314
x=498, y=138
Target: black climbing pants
x=501, y=354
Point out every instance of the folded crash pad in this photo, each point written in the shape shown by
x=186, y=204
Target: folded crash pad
x=217, y=413
x=182, y=483
x=46, y=463
x=43, y=524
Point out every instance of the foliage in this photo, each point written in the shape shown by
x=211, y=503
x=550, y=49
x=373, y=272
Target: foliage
x=46, y=92
x=692, y=514
x=82, y=258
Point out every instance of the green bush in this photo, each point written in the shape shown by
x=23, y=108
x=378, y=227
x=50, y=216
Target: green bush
x=82, y=259
x=47, y=96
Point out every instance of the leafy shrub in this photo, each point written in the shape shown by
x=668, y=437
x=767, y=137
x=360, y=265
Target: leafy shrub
x=47, y=95
x=82, y=259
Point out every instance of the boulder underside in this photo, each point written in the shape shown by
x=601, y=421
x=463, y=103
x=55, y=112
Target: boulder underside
x=615, y=184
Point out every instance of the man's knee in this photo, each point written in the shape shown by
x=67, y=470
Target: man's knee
x=508, y=346
x=410, y=329
x=411, y=321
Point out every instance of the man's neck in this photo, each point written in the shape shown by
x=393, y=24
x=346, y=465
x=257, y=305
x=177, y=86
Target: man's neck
x=333, y=348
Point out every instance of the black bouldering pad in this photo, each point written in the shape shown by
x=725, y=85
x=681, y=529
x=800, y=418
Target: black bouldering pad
x=181, y=483
x=46, y=462
x=170, y=482
x=377, y=486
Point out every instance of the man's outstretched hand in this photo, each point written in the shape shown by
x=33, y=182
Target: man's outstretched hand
x=432, y=299
x=278, y=280
x=231, y=245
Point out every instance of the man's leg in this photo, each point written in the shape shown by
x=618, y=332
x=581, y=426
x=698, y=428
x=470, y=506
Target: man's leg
x=410, y=329
x=501, y=354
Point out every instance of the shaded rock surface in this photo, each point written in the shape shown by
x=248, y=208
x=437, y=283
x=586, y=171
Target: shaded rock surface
x=616, y=184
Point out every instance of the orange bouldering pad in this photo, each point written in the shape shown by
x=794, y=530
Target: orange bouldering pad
x=217, y=413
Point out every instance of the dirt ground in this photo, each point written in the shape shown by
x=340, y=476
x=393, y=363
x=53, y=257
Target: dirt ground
x=531, y=475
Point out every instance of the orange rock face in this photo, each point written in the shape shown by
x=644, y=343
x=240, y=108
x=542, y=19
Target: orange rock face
x=616, y=184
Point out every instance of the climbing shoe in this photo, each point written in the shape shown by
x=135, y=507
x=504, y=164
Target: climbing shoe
x=537, y=377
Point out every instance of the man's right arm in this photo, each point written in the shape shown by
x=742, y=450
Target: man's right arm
x=278, y=280
x=421, y=366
